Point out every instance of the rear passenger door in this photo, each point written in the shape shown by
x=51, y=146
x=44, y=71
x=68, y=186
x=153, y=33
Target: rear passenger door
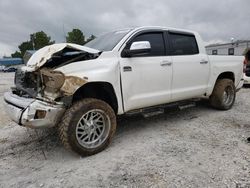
x=190, y=67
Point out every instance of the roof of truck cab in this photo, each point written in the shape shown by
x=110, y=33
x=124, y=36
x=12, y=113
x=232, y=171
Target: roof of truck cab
x=161, y=28
x=133, y=29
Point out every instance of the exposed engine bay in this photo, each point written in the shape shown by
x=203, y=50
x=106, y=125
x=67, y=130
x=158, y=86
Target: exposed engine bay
x=41, y=80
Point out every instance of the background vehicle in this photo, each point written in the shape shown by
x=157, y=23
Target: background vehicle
x=247, y=78
x=247, y=71
x=9, y=69
x=2, y=68
x=81, y=89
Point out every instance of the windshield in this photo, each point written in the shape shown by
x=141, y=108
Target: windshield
x=107, y=41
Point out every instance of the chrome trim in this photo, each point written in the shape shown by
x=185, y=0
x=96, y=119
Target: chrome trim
x=20, y=102
x=166, y=63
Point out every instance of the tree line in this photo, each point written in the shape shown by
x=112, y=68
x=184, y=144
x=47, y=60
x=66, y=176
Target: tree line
x=40, y=39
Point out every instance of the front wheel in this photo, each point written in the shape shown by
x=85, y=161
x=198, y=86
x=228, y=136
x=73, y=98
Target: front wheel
x=223, y=95
x=88, y=126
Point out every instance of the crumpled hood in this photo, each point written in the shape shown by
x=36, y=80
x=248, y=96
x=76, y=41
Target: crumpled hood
x=40, y=57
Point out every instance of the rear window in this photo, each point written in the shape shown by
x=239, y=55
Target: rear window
x=183, y=44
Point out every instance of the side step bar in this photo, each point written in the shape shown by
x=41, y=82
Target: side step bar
x=184, y=106
x=157, y=110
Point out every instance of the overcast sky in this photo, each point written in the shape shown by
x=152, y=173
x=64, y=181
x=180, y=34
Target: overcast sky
x=216, y=20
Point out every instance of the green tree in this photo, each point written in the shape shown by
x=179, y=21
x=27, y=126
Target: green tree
x=76, y=36
x=16, y=54
x=25, y=46
x=40, y=39
x=37, y=40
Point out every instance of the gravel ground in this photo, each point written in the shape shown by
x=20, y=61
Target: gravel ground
x=194, y=147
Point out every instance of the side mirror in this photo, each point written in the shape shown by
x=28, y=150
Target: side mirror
x=137, y=48
x=140, y=45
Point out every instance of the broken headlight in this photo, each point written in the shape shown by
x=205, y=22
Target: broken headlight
x=52, y=80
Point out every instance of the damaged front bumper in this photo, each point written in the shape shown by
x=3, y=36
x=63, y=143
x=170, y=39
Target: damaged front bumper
x=32, y=113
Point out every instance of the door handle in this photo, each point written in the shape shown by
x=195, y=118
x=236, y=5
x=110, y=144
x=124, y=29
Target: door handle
x=166, y=63
x=204, y=62
x=127, y=69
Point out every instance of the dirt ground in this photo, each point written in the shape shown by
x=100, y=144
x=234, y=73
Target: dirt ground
x=194, y=147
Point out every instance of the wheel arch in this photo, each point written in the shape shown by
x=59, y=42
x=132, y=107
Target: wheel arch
x=99, y=90
x=228, y=75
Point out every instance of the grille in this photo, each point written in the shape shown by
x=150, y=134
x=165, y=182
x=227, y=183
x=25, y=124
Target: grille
x=26, y=83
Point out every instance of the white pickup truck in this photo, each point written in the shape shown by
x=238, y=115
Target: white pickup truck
x=82, y=89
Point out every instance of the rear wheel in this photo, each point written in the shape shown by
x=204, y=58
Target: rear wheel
x=88, y=126
x=223, y=95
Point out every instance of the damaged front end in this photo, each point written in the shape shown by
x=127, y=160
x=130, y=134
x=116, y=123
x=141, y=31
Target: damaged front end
x=42, y=93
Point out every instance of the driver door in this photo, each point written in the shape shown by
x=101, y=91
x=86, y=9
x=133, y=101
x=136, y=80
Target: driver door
x=146, y=78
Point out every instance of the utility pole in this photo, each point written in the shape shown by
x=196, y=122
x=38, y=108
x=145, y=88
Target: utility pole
x=64, y=35
x=32, y=40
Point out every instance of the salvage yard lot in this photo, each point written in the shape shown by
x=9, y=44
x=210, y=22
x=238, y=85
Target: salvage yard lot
x=195, y=147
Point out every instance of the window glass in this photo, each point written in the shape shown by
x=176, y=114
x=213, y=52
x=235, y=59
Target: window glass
x=107, y=41
x=214, y=52
x=156, y=41
x=183, y=44
x=231, y=51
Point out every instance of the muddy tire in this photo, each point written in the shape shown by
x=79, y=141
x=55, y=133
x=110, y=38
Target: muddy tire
x=223, y=95
x=88, y=126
